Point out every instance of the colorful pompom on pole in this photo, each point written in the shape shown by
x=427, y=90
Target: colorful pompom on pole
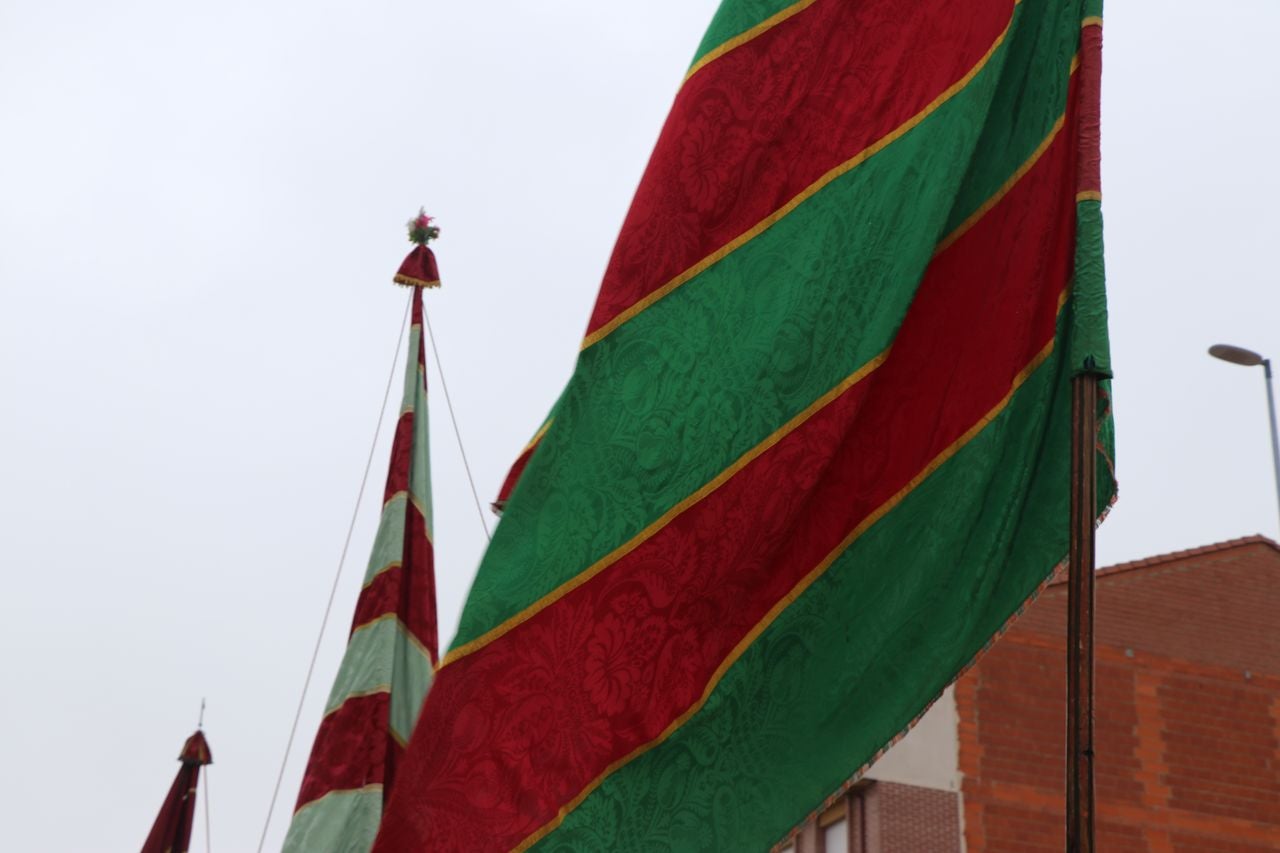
x=419, y=268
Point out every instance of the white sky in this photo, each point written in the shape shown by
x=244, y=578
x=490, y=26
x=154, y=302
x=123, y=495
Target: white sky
x=201, y=207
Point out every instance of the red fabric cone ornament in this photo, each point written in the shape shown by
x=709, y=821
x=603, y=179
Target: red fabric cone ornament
x=419, y=269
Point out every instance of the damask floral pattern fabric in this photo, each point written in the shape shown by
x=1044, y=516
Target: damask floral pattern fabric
x=814, y=452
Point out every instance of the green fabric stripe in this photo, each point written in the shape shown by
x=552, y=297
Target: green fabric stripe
x=377, y=653
x=874, y=639
x=388, y=543
x=1091, y=348
x=340, y=822
x=673, y=397
x=415, y=400
x=1031, y=96
x=412, y=676
x=411, y=370
x=734, y=19
x=1092, y=8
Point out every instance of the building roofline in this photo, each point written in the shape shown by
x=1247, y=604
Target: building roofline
x=1175, y=556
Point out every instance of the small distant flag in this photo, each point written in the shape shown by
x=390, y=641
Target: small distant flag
x=171, y=832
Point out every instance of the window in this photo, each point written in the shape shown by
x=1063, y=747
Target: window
x=835, y=836
x=833, y=828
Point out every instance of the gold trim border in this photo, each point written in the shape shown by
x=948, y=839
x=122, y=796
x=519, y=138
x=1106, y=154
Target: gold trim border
x=410, y=281
x=747, y=36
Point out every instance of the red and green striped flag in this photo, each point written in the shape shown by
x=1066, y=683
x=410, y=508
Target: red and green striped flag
x=392, y=650
x=815, y=451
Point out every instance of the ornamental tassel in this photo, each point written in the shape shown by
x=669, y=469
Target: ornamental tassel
x=419, y=268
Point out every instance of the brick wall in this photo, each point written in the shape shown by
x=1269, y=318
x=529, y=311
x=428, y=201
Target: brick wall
x=1188, y=712
x=886, y=817
x=916, y=820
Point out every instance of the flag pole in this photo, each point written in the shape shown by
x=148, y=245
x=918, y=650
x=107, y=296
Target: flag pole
x=1084, y=514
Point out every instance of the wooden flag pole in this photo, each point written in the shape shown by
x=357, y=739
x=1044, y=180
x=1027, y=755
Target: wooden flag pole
x=1084, y=514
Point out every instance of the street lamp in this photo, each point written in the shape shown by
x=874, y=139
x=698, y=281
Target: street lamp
x=1249, y=358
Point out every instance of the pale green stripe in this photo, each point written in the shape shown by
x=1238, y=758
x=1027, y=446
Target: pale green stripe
x=381, y=656
x=411, y=373
x=412, y=680
x=414, y=400
x=339, y=822
x=388, y=545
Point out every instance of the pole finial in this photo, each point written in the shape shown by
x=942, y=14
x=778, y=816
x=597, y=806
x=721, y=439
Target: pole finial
x=421, y=229
x=419, y=268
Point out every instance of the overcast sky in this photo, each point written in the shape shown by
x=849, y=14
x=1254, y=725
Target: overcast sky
x=201, y=207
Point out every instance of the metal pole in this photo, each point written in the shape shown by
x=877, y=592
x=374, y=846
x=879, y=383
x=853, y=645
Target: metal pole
x=1084, y=513
x=1275, y=437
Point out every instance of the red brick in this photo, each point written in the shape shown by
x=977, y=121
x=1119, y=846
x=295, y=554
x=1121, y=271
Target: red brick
x=1184, y=742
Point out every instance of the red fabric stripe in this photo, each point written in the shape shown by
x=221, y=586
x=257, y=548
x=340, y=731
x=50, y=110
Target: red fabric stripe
x=1090, y=96
x=356, y=746
x=402, y=444
x=172, y=829
x=417, y=605
x=417, y=321
x=401, y=457
x=764, y=121
x=513, y=477
x=536, y=715
x=417, y=300
x=407, y=590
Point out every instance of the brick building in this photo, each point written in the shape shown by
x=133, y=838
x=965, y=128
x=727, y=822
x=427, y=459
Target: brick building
x=1187, y=730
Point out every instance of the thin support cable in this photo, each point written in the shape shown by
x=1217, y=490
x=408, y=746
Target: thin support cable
x=456, y=432
x=208, y=836
x=315, y=654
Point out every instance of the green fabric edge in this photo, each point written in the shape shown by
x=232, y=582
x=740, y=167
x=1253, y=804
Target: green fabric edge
x=1091, y=346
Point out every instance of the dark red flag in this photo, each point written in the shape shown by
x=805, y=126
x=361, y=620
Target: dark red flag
x=171, y=832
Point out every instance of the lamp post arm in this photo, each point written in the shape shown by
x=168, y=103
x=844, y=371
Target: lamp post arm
x=1275, y=435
